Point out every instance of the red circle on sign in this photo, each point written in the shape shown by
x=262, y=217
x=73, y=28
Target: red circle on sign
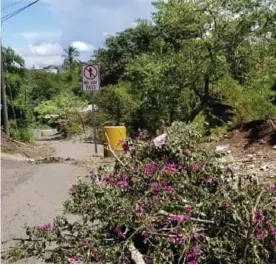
x=90, y=72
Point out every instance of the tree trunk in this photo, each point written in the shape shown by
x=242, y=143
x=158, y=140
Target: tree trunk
x=204, y=99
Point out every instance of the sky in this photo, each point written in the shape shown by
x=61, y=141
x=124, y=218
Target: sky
x=40, y=33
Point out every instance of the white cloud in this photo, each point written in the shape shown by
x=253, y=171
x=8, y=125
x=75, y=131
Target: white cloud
x=44, y=49
x=42, y=35
x=82, y=46
x=81, y=23
x=42, y=54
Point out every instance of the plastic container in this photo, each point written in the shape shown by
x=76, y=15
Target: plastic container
x=115, y=134
x=222, y=148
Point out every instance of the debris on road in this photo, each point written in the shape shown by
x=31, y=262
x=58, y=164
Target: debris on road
x=222, y=148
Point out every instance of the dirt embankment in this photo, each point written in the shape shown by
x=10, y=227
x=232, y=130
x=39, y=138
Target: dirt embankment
x=251, y=137
x=29, y=150
x=251, y=149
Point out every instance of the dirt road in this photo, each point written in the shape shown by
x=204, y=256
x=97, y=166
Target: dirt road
x=33, y=194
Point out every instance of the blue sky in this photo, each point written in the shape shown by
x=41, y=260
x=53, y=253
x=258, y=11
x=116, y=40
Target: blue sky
x=40, y=33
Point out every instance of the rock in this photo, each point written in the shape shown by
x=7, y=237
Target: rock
x=262, y=141
x=264, y=168
x=250, y=155
x=274, y=147
x=227, y=159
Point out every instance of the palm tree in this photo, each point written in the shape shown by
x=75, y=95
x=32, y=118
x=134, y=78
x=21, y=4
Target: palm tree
x=70, y=56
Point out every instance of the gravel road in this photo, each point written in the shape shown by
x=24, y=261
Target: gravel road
x=33, y=194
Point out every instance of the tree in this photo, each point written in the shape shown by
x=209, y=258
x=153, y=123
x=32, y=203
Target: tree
x=117, y=102
x=120, y=49
x=200, y=45
x=71, y=55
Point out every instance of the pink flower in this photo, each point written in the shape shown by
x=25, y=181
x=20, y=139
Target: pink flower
x=178, y=218
x=188, y=208
x=171, y=168
x=139, y=208
x=147, y=233
x=155, y=199
x=155, y=186
x=273, y=231
x=150, y=168
x=105, y=178
x=197, y=250
x=75, y=259
x=258, y=216
x=175, y=230
x=210, y=180
x=183, y=171
x=177, y=239
x=195, y=166
x=165, y=183
x=170, y=188
x=196, y=235
x=92, y=173
x=228, y=204
x=261, y=234
x=149, y=261
x=119, y=232
x=85, y=241
x=45, y=226
x=124, y=145
x=71, y=189
x=192, y=255
x=123, y=183
x=186, y=151
x=272, y=187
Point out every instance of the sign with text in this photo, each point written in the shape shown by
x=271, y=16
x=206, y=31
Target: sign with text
x=91, y=77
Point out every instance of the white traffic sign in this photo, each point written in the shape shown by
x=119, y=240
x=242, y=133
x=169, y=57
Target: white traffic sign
x=91, y=77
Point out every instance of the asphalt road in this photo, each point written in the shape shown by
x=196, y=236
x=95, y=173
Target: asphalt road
x=33, y=194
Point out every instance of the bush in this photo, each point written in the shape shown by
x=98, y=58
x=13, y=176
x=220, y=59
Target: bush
x=23, y=134
x=171, y=204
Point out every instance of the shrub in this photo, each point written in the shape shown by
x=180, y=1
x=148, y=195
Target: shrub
x=171, y=204
x=23, y=134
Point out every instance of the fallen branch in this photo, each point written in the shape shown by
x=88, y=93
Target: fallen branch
x=17, y=142
x=251, y=225
x=162, y=212
x=272, y=125
x=126, y=244
x=135, y=254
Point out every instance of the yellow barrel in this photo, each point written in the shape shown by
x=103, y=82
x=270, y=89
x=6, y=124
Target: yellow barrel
x=115, y=134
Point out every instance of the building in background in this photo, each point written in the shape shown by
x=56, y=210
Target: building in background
x=51, y=69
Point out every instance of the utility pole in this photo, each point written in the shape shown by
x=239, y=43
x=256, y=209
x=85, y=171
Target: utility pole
x=4, y=108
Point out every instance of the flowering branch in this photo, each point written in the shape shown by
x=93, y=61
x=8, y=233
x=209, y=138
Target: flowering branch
x=112, y=151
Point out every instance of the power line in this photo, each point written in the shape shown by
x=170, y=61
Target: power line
x=5, y=18
x=12, y=5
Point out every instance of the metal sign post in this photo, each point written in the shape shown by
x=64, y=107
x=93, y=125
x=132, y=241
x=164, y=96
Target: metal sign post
x=91, y=82
x=94, y=124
